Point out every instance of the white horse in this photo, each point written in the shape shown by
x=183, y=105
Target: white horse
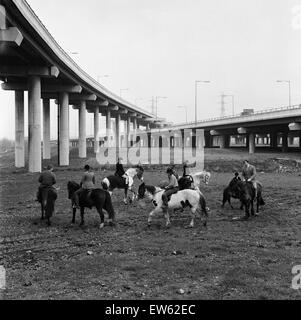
x=201, y=177
x=193, y=199
x=127, y=184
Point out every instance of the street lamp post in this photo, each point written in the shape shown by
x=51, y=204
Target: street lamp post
x=186, y=109
x=196, y=97
x=233, y=104
x=289, y=90
x=157, y=98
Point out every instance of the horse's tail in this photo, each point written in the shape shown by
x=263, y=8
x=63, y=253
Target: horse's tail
x=108, y=206
x=260, y=198
x=51, y=198
x=202, y=203
x=261, y=201
x=225, y=195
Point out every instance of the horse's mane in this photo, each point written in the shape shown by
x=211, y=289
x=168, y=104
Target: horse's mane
x=73, y=184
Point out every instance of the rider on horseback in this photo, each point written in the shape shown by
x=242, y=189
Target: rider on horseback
x=47, y=180
x=120, y=172
x=171, y=189
x=87, y=184
x=249, y=175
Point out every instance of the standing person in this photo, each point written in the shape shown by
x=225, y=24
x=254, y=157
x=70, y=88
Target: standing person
x=87, y=184
x=47, y=179
x=249, y=174
x=171, y=189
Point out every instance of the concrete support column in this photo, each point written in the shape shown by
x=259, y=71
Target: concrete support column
x=223, y=142
x=208, y=140
x=46, y=130
x=135, y=127
x=284, y=142
x=274, y=140
x=96, y=130
x=252, y=137
x=82, y=130
x=64, y=129
x=19, y=127
x=127, y=132
x=109, y=126
x=34, y=124
x=117, y=132
x=300, y=139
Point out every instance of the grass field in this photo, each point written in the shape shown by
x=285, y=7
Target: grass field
x=228, y=260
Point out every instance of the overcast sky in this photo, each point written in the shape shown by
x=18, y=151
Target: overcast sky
x=159, y=48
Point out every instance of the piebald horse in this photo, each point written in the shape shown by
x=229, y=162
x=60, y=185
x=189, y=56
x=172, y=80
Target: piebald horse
x=115, y=182
x=193, y=199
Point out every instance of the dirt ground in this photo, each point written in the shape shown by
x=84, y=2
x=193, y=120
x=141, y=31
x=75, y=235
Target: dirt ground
x=228, y=260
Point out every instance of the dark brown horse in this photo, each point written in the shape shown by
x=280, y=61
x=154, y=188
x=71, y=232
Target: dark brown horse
x=47, y=198
x=98, y=198
x=245, y=192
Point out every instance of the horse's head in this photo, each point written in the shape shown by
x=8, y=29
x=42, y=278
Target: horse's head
x=246, y=192
x=146, y=191
x=72, y=187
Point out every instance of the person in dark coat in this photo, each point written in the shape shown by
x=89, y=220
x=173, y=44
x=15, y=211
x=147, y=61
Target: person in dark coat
x=120, y=172
x=47, y=180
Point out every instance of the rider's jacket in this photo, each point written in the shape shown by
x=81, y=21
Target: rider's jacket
x=249, y=172
x=88, y=181
x=47, y=179
x=119, y=170
x=173, y=182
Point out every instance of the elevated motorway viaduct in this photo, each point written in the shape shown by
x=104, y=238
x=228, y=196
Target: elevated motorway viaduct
x=273, y=128
x=32, y=61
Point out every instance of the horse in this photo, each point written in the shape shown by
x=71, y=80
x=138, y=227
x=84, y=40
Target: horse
x=245, y=192
x=115, y=182
x=193, y=199
x=100, y=199
x=247, y=198
x=232, y=191
x=47, y=197
x=195, y=179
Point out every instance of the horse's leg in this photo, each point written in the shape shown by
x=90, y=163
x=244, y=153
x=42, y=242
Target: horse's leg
x=167, y=219
x=82, y=213
x=252, y=208
x=241, y=206
x=193, y=214
x=43, y=212
x=134, y=196
x=229, y=200
x=125, y=200
x=247, y=211
x=257, y=205
x=102, y=218
x=150, y=218
x=74, y=214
